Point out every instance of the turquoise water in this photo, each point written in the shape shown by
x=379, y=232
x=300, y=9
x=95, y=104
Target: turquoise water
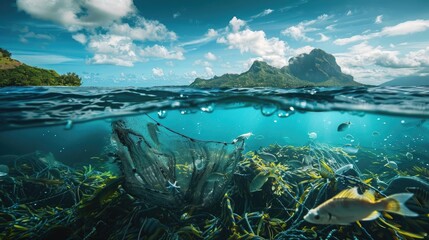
x=73, y=126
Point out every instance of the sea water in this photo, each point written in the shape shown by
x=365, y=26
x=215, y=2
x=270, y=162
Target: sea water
x=73, y=126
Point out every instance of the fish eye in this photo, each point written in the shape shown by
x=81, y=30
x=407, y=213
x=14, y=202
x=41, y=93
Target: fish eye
x=317, y=216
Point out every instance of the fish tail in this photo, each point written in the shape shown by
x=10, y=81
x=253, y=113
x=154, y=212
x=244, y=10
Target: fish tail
x=396, y=204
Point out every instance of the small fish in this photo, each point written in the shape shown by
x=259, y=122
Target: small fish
x=343, y=169
x=4, y=170
x=242, y=137
x=259, y=181
x=312, y=135
x=409, y=156
x=381, y=184
x=152, y=128
x=267, y=156
x=343, y=126
x=349, y=206
x=391, y=164
x=350, y=149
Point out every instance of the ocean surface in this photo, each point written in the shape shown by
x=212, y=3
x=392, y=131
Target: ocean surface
x=182, y=163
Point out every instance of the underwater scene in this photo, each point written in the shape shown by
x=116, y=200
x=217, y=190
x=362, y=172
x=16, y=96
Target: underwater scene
x=182, y=163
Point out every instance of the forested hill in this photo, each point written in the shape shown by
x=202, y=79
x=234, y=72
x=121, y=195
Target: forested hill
x=15, y=73
x=317, y=68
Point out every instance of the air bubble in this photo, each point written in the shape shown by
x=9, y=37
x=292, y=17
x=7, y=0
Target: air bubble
x=268, y=110
x=162, y=114
x=208, y=108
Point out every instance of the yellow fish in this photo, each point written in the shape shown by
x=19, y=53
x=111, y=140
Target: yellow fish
x=349, y=206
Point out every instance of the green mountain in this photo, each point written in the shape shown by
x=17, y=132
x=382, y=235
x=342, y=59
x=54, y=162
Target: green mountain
x=15, y=73
x=317, y=68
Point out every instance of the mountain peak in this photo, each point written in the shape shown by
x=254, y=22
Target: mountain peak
x=317, y=66
x=258, y=66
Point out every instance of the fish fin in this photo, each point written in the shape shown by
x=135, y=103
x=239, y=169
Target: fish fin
x=348, y=193
x=396, y=204
x=374, y=215
x=369, y=194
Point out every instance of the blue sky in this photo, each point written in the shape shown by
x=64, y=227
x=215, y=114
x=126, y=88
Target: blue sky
x=166, y=42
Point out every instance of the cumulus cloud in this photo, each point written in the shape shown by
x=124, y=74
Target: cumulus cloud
x=209, y=71
x=210, y=56
x=158, y=51
x=111, y=30
x=112, y=49
x=263, y=13
x=75, y=15
x=236, y=24
x=298, y=32
x=143, y=30
x=378, y=19
x=369, y=64
x=157, y=72
x=404, y=28
x=271, y=50
x=306, y=49
x=211, y=33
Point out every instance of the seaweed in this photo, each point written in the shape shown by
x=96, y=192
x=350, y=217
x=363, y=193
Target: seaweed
x=176, y=187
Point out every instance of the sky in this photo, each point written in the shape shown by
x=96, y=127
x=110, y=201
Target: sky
x=167, y=42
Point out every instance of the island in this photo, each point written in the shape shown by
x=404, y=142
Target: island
x=15, y=73
x=315, y=69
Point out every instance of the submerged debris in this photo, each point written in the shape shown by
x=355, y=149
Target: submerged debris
x=176, y=187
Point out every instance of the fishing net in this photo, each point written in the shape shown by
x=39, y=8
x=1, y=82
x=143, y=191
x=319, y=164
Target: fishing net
x=168, y=169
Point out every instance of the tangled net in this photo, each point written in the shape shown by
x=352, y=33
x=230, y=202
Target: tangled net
x=168, y=169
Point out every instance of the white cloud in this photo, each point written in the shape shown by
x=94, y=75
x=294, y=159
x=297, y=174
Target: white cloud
x=176, y=15
x=404, y=28
x=271, y=50
x=330, y=27
x=211, y=33
x=323, y=37
x=374, y=65
x=112, y=49
x=210, y=56
x=157, y=72
x=298, y=32
x=40, y=59
x=209, y=71
x=306, y=49
x=349, y=13
x=263, y=13
x=80, y=37
x=378, y=19
x=236, y=24
x=75, y=15
x=144, y=30
x=28, y=35
x=158, y=51
x=202, y=63
x=191, y=75
x=111, y=30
